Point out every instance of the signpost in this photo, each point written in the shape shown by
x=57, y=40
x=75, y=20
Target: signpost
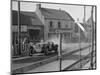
x=16, y=28
x=60, y=48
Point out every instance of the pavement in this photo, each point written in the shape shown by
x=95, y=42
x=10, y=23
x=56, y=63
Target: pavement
x=26, y=61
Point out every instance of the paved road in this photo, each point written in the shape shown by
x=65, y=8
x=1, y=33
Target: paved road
x=67, y=48
x=67, y=61
x=34, y=58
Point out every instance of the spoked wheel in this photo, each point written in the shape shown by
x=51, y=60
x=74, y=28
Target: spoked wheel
x=46, y=53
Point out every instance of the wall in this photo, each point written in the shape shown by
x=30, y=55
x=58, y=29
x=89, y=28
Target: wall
x=66, y=30
x=39, y=14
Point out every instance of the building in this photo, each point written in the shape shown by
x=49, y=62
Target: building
x=90, y=25
x=86, y=35
x=43, y=24
x=55, y=20
x=31, y=29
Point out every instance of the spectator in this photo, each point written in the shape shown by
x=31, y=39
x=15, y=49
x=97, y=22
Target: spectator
x=30, y=49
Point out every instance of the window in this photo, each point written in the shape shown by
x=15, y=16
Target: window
x=59, y=25
x=51, y=24
x=76, y=28
x=66, y=26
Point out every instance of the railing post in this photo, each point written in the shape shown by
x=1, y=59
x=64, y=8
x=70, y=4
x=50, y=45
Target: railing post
x=92, y=38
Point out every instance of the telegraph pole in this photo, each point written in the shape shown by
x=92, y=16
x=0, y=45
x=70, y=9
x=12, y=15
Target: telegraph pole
x=19, y=30
x=80, y=45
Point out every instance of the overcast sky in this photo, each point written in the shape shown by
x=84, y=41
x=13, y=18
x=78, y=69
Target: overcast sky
x=75, y=11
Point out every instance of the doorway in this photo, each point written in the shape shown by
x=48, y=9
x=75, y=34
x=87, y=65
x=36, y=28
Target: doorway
x=34, y=34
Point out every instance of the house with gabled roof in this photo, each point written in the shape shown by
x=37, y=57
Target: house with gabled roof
x=55, y=20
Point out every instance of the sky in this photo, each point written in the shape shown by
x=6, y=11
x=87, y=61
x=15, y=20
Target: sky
x=75, y=11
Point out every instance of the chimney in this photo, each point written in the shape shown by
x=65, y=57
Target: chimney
x=38, y=6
